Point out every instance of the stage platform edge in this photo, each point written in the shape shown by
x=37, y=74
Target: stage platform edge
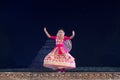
x=59, y=76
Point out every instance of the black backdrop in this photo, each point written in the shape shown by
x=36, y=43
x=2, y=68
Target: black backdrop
x=97, y=27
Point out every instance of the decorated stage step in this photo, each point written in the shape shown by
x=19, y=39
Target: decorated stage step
x=59, y=76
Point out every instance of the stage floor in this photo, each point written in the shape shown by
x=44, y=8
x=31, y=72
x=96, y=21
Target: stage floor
x=78, y=69
x=59, y=76
x=80, y=73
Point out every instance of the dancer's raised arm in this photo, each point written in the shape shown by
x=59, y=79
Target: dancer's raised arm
x=73, y=34
x=46, y=32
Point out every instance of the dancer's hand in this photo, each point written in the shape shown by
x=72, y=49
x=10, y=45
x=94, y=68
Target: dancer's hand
x=46, y=32
x=45, y=29
x=73, y=34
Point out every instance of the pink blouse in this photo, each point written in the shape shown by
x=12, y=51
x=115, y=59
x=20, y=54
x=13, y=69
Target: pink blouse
x=59, y=43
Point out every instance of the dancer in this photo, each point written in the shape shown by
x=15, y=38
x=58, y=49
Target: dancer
x=59, y=58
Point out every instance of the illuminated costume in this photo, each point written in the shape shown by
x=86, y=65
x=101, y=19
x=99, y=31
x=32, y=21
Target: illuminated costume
x=59, y=57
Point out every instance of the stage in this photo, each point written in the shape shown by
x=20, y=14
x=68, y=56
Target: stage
x=82, y=73
x=59, y=76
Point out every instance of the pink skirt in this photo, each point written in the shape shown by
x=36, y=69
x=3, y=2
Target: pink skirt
x=54, y=60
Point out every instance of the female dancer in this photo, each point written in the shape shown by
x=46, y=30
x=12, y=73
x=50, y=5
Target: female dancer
x=59, y=58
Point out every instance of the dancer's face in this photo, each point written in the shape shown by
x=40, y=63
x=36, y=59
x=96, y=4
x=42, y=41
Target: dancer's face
x=60, y=33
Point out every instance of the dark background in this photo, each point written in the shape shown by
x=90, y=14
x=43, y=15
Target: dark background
x=96, y=23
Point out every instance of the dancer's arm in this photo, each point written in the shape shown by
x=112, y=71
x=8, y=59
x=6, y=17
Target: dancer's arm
x=71, y=37
x=46, y=32
x=73, y=34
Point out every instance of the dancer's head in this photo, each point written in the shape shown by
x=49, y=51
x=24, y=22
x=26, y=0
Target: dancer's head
x=60, y=33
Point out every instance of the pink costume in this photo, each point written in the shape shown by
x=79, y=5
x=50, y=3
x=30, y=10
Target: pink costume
x=59, y=57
